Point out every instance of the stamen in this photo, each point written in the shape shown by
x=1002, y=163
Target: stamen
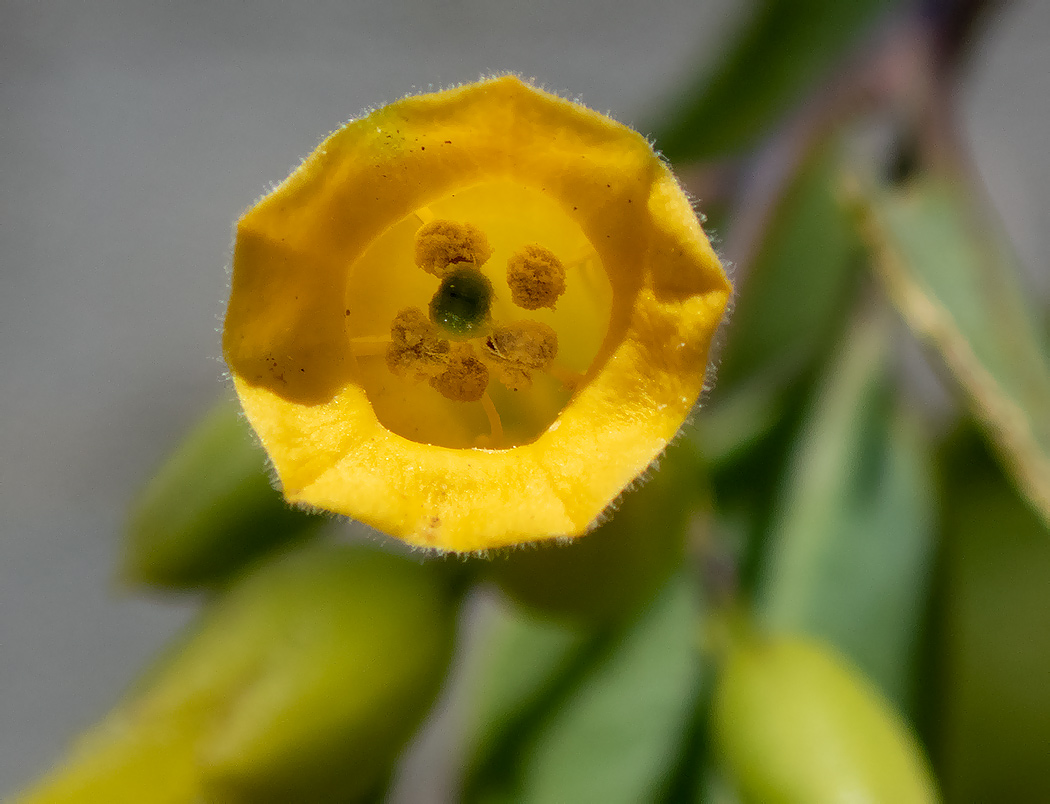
x=519, y=348
x=566, y=376
x=495, y=425
x=442, y=245
x=415, y=349
x=465, y=378
x=369, y=346
x=536, y=278
x=589, y=274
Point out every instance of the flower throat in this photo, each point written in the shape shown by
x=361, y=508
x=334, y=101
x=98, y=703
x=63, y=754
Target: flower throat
x=486, y=310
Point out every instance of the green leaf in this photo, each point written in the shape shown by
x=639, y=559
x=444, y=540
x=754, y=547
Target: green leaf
x=524, y=665
x=949, y=272
x=851, y=545
x=301, y=683
x=993, y=686
x=795, y=290
x=790, y=306
x=209, y=510
x=793, y=302
x=785, y=46
x=738, y=420
x=614, y=733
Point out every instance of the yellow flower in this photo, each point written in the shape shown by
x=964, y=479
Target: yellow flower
x=473, y=317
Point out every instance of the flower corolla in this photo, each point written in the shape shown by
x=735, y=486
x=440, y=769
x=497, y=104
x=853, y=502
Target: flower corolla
x=472, y=317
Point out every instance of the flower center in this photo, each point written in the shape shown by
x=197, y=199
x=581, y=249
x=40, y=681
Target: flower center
x=472, y=320
x=461, y=305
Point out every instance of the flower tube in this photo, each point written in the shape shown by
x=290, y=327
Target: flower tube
x=472, y=317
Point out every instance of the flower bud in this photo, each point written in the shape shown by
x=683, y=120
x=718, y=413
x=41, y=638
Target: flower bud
x=302, y=684
x=210, y=509
x=796, y=725
x=610, y=572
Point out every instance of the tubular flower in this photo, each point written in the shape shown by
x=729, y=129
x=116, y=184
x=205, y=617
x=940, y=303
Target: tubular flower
x=472, y=318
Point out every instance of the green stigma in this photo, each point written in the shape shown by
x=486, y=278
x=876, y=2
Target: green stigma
x=461, y=304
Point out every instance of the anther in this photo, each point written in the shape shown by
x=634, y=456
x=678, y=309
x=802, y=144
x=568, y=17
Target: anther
x=465, y=378
x=517, y=349
x=536, y=278
x=442, y=245
x=415, y=349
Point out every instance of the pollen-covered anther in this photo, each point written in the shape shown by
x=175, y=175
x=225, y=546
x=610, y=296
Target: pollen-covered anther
x=536, y=278
x=517, y=349
x=442, y=245
x=465, y=378
x=415, y=349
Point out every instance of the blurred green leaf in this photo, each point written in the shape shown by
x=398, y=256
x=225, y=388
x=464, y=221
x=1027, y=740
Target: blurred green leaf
x=785, y=46
x=608, y=573
x=738, y=421
x=950, y=273
x=717, y=788
x=301, y=683
x=792, y=304
x=209, y=510
x=523, y=656
x=850, y=549
x=524, y=666
x=612, y=734
x=794, y=293
x=797, y=725
x=993, y=691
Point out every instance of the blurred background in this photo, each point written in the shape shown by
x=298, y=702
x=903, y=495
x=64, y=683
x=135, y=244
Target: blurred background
x=132, y=135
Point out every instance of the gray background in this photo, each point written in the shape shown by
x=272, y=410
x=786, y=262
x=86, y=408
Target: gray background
x=133, y=134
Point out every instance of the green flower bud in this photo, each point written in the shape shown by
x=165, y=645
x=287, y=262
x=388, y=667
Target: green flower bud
x=210, y=509
x=620, y=565
x=302, y=684
x=796, y=726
